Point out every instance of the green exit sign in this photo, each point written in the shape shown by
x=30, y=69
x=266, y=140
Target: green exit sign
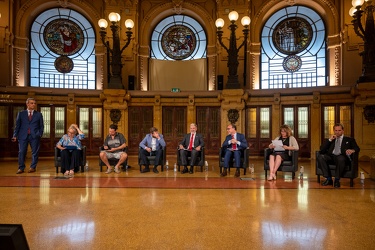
x=175, y=90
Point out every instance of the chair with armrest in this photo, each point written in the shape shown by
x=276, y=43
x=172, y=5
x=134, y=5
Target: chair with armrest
x=113, y=161
x=151, y=159
x=82, y=161
x=244, y=160
x=198, y=162
x=286, y=166
x=351, y=170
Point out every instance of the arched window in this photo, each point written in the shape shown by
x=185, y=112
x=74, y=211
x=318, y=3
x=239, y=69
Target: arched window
x=178, y=37
x=293, y=53
x=62, y=52
x=178, y=45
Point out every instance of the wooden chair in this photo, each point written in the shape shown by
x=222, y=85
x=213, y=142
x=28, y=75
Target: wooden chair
x=244, y=160
x=161, y=162
x=198, y=162
x=351, y=170
x=286, y=166
x=113, y=161
x=82, y=161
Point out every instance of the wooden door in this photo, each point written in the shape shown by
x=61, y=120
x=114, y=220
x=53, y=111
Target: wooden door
x=8, y=115
x=298, y=118
x=174, y=127
x=89, y=120
x=258, y=129
x=55, y=127
x=208, y=121
x=140, y=121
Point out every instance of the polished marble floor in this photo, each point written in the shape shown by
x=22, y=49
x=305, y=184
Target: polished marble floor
x=169, y=210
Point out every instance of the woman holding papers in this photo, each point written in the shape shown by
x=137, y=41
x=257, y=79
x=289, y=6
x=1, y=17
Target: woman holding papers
x=70, y=146
x=282, y=145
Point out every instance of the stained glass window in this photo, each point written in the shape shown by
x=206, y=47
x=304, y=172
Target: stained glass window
x=62, y=53
x=293, y=53
x=178, y=37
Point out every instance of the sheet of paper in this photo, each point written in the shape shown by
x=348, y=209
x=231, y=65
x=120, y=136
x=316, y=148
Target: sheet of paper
x=278, y=145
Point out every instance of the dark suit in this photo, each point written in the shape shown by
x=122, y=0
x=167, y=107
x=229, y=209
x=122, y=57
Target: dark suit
x=198, y=141
x=21, y=132
x=235, y=153
x=326, y=156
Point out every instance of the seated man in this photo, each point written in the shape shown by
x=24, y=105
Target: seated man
x=233, y=145
x=190, y=146
x=152, y=145
x=337, y=149
x=114, y=144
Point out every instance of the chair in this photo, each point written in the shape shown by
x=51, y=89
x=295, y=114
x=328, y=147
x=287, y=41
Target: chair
x=162, y=160
x=198, y=162
x=351, y=170
x=82, y=161
x=286, y=166
x=244, y=160
x=113, y=161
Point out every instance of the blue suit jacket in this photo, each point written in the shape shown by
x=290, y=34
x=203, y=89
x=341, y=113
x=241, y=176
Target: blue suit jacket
x=240, y=137
x=36, y=125
x=146, y=142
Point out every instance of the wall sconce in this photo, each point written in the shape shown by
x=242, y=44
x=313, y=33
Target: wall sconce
x=232, y=82
x=115, y=81
x=367, y=33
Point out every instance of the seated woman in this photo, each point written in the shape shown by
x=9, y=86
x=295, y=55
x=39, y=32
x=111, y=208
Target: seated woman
x=283, y=151
x=70, y=146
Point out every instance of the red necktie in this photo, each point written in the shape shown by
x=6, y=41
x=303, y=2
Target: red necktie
x=30, y=116
x=234, y=145
x=191, y=142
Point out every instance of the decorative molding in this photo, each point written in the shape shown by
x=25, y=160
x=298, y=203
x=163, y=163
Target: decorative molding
x=291, y=2
x=141, y=69
x=369, y=113
x=337, y=65
x=64, y=3
x=17, y=68
x=115, y=115
x=233, y=116
x=177, y=8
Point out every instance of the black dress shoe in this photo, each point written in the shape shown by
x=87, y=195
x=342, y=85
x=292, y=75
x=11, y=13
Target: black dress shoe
x=237, y=174
x=185, y=170
x=224, y=173
x=191, y=170
x=327, y=183
x=337, y=184
x=155, y=170
x=145, y=170
x=20, y=171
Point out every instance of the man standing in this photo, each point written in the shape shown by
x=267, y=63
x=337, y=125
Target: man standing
x=233, y=145
x=191, y=146
x=152, y=145
x=114, y=145
x=338, y=148
x=29, y=129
